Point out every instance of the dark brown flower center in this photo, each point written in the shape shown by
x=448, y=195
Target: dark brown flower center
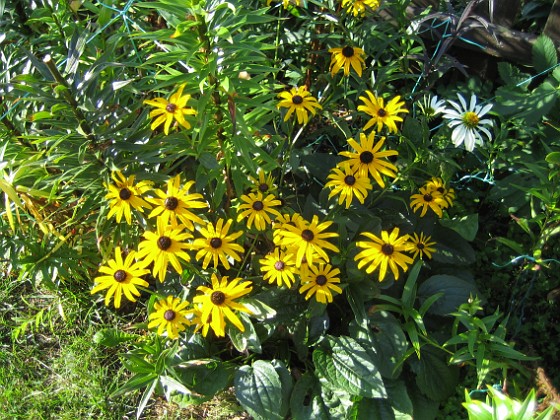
x=321, y=280
x=164, y=242
x=119, y=276
x=366, y=157
x=258, y=205
x=279, y=265
x=218, y=298
x=349, y=180
x=381, y=112
x=171, y=203
x=420, y=245
x=263, y=187
x=297, y=100
x=428, y=197
x=348, y=52
x=307, y=235
x=387, y=249
x=169, y=315
x=441, y=190
x=125, y=194
x=171, y=108
x=215, y=243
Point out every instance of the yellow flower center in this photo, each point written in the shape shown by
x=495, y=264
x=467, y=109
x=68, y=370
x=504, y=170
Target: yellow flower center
x=348, y=52
x=125, y=194
x=171, y=203
x=279, y=265
x=297, y=100
x=366, y=157
x=470, y=119
x=218, y=298
x=307, y=235
x=119, y=276
x=387, y=249
x=169, y=315
x=381, y=112
x=215, y=243
x=171, y=108
x=428, y=197
x=258, y=205
x=164, y=242
x=321, y=280
x=349, y=180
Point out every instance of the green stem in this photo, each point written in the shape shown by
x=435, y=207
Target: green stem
x=247, y=254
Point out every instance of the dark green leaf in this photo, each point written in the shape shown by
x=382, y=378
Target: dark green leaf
x=456, y=291
x=544, y=54
x=466, y=226
x=306, y=401
x=434, y=377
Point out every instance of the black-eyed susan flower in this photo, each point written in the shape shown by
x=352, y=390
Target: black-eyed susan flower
x=368, y=158
x=170, y=316
x=217, y=244
x=279, y=223
x=218, y=303
x=164, y=246
x=279, y=267
x=264, y=183
x=467, y=123
x=384, y=252
x=121, y=277
x=257, y=208
x=428, y=199
x=177, y=203
x=348, y=184
x=437, y=184
x=124, y=194
x=168, y=110
x=421, y=245
x=358, y=7
x=308, y=239
x=298, y=99
x=346, y=57
x=320, y=281
x=381, y=113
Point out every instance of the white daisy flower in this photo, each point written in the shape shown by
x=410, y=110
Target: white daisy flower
x=466, y=122
x=431, y=106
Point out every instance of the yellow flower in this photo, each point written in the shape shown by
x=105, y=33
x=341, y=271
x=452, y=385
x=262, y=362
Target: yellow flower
x=359, y=7
x=122, y=277
x=256, y=209
x=218, y=303
x=166, y=111
x=384, y=252
x=170, y=315
x=437, y=184
x=217, y=244
x=368, y=158
x=279, y=267
x=286, y=3
x=279, y=224
x=343, y=58
x=176, y=203
x=125, y=195
x=348, y=184
x=298, y=99
x=421, y=245
x=163, y=247
x=308, y=239
x=428, y=199
x=380, y=113
x=265, y=184
x=320, y=281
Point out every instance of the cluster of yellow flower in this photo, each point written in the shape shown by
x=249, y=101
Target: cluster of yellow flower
x=434, y=195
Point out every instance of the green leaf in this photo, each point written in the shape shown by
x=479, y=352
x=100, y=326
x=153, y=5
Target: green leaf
x=342, y=363
x=111, y=337
x=287, y=384
x=206, y=377
x=306, y=401
x=259, y=391
x=466, y=226
x=544, y=54
x=451, y=248
x=434, y=377
x=553, y=158
x=515, y=246
x=247, y=339
x=371, y=409
x=456, y=291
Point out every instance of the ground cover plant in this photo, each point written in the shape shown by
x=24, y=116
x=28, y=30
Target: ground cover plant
x=315, y=206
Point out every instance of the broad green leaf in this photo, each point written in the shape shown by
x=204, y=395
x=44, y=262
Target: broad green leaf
x=287, y=384
x=247, y=339
x=544, y=54
x=342, y=363
x=456, y=291
x=371, y=409
x=466, y=226
x=111, y=337
x=306, y=401
x=423, y=407
x=258, y=389
x=205, y=377
x=451, y=248
x=434, y=377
